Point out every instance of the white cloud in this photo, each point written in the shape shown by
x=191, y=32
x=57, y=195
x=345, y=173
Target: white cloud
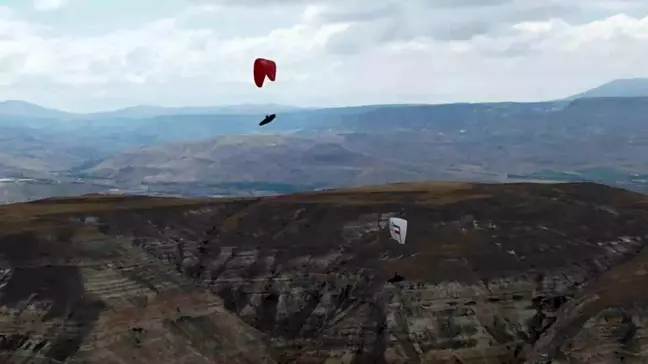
x=325, y=55
x=48, y=5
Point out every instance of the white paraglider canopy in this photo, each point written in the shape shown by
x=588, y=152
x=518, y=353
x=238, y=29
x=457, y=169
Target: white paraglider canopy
x=398, y=229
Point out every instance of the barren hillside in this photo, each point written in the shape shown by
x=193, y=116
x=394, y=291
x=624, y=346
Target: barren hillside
x=492, y=273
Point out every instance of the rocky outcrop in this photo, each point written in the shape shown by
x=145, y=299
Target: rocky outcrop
x=490, y=273
x=80, y=296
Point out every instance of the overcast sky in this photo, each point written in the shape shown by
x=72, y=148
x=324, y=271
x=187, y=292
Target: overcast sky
x=84, y=55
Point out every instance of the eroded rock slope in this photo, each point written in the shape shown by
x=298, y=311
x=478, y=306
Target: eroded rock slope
x=492, y=273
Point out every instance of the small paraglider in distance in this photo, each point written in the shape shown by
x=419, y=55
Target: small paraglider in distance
x=264, y=68
x=268, y=119
x=398, y=229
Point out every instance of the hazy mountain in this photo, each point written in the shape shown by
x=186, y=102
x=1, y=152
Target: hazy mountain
x=15, y=108
x=603, y=140
x=168, y=128
x=598, y=139
x=149, y=111
x=25, y=109
x=630, y=87
x=627, y=87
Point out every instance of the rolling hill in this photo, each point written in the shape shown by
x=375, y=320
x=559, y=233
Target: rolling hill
x=192, y=152
x=601, y=140
x=303, y=163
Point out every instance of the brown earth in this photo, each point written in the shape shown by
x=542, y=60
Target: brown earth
x=492, y=274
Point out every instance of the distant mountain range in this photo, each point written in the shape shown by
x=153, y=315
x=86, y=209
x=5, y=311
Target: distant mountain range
x=627, y=87
x=631, y=87
x=17, y=108
x=593, y=139
x=204, y=151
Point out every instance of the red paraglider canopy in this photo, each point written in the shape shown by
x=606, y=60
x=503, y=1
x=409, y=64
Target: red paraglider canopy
x=264, y=68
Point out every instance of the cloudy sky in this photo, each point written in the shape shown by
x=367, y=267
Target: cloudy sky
x=84, y=55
